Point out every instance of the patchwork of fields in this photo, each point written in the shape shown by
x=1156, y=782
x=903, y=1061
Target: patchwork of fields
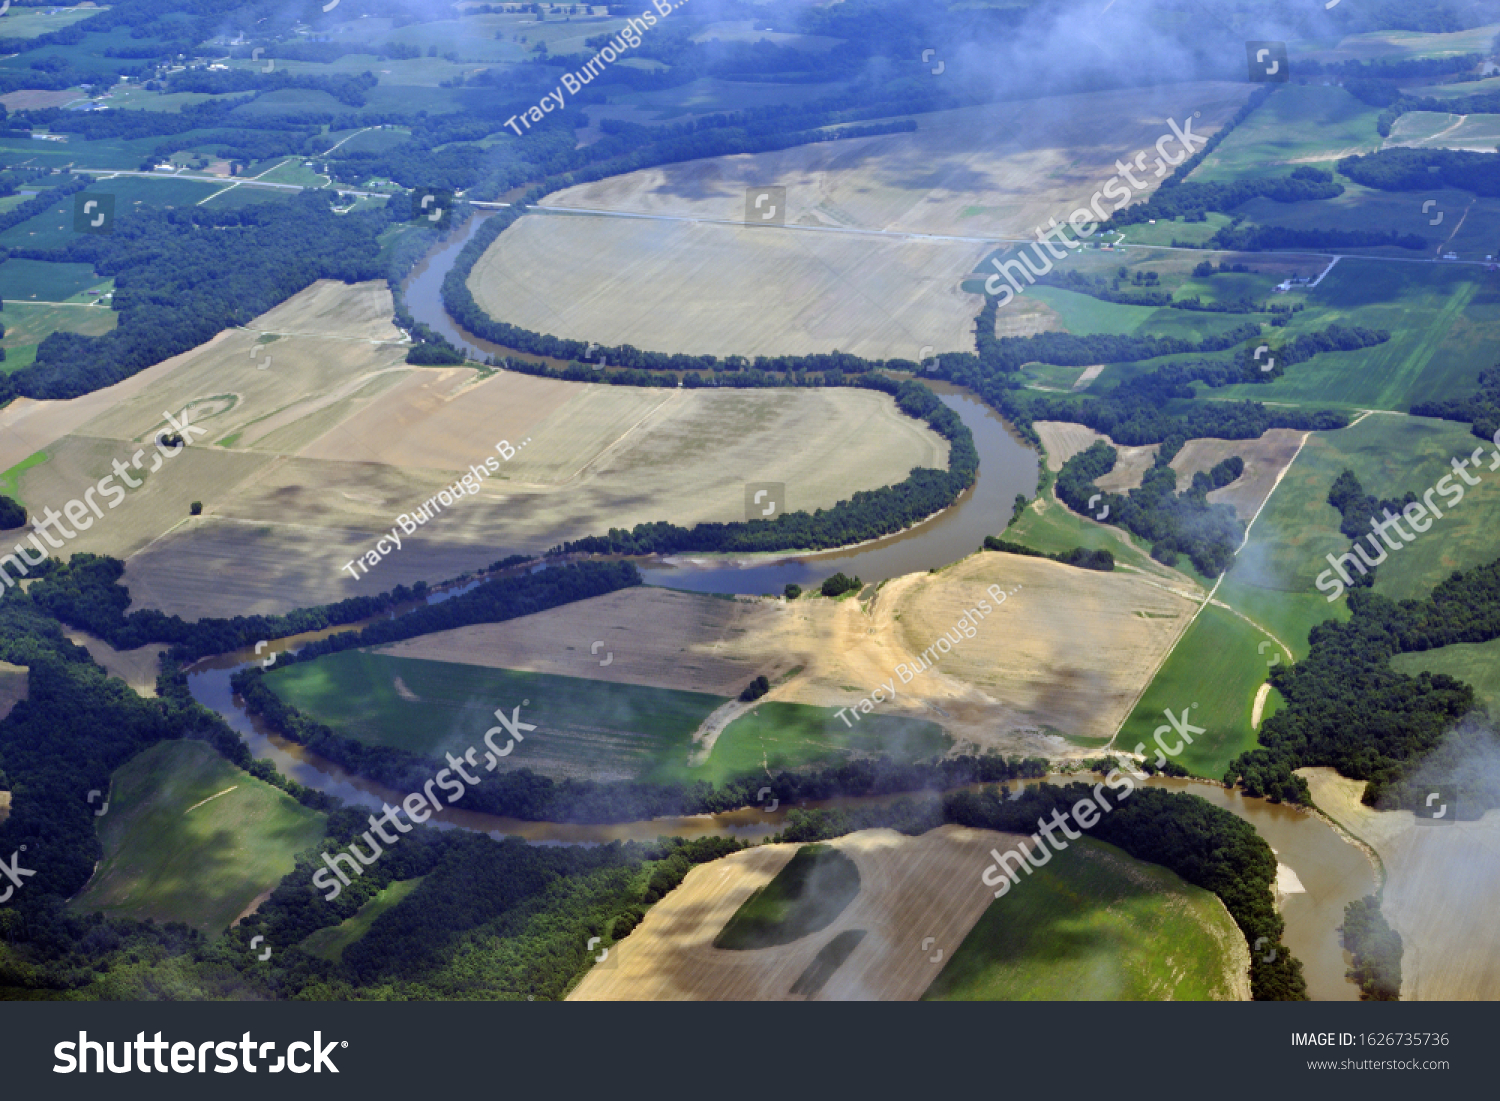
x=1268, y=602
x=319, y=435
x=1444, y=324
x=1147, y=934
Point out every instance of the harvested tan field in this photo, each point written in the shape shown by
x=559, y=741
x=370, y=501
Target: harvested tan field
x=996, y=170
x=434, y=418
x=729, y=289
x=1067, y=652
x=214, y=567
x=608, y=457
x=341, y=311
x=225, y=388
x=137, y=668
x=911, y=888
x=1131, y=464
x=28, y=426
x=1027, y=317
x=1061, y=440
x=622, y=458
x=38, y=99
x=1442, y=888
x=659, y=637
x=281, y=399
x=76, y=464
x=14, y=680
x=317, y=443
x=1265, y=459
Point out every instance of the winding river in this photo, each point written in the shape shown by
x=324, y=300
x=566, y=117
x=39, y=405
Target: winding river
x=1007, y=466
x=1331, y=871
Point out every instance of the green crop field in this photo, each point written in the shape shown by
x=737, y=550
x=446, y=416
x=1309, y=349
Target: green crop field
x=1290, y=616
x=329, y=942
x=1401, y=44
x=1444, y=323
x=44, y=281
x=806, y=895
x=1052, y=377
x=291, y=171
x=1449, y=91
x=90, y=52
x=139, y=98
x=1165, y=232
x=1273, y=580
x=287, y=101
x=370, y=141
x=1466, y=224
x=34, y=22
x=189, y=837
x=1474, y=663
x=1094, y=924
x=10, y=480
x=585, y=727
x=1189, y=324
x=1212, y=675
x=28, y=324
x=17, y=357
x=1056, y=529
x=160, y=190
x=1083, y=314
x=1390, y=455
x=796, y=735
x=104, y=155
x=1298, y=124
x=235, y=197
x=53, y=228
